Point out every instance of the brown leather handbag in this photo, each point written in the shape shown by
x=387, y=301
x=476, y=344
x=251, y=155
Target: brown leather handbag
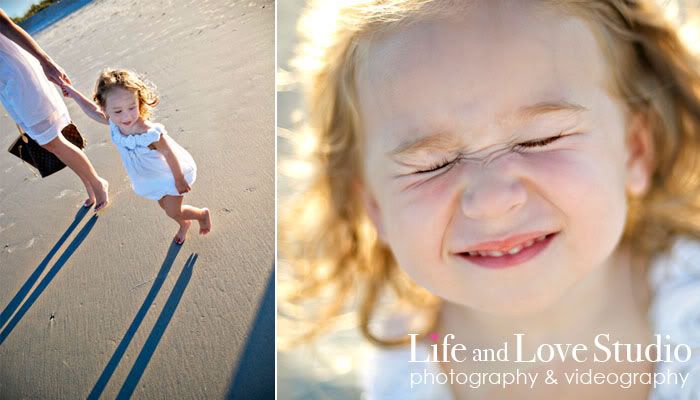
x=38, y=157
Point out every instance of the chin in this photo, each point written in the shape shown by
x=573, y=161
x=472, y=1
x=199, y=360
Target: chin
x=505, y=303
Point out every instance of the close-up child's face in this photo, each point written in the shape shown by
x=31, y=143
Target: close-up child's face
x=498, y=159
x=122, y=107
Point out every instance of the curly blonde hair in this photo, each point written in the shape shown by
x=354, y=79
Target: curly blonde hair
x=325, y=234
x=125, y=79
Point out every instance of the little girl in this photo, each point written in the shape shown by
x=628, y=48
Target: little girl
x=501, y=168
x=159, y=168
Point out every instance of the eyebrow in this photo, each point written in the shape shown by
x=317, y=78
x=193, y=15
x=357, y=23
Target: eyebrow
x=538, y=109
x=439, y=141
x=445, y=141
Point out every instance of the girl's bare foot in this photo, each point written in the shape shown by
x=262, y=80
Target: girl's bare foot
x=205, y=222
x=101, y=195
x=182, y=233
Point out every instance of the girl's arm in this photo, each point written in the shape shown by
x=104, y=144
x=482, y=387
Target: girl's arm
x=12, y=31
x=91, y=109
x=164, y=146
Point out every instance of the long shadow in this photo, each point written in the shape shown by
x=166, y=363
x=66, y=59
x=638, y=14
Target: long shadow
x=158, y=330
x=77, y=241
x=255, y=375
x=24, y=290
x=136, y=323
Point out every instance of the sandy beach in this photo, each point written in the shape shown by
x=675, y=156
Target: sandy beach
x=107, y=306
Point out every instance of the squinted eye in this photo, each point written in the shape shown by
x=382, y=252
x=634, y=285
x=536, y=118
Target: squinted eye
x=538, y=142
x=436, y=167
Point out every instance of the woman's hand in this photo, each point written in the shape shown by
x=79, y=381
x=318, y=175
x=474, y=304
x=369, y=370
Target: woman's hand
x=54, y=73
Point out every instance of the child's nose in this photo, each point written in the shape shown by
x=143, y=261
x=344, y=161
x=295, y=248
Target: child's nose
x=492, y=196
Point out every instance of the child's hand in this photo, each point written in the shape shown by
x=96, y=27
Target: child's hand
x=67, y=90
x=182, y=186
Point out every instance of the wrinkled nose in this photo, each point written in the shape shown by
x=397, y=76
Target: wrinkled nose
x=492, y=197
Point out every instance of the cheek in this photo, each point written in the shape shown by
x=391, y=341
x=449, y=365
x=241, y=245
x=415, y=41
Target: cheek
x=588, y=189
x=414, y=222
x=415, y=219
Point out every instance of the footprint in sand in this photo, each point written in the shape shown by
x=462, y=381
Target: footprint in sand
x=7, y=227
x=96, y=145
x=66, y=192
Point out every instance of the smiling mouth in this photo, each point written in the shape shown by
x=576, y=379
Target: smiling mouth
x=508, y=250
x=508, y=253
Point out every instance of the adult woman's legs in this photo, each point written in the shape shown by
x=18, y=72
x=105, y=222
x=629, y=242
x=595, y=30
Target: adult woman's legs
x=97, y=188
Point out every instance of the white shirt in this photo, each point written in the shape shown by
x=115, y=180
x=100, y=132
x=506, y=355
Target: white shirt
x=29, y=97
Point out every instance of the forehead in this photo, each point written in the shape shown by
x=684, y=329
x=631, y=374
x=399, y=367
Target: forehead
x=120, y=97
x=496, y=57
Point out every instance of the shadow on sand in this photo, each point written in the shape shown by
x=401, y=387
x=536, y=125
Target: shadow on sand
x=158, y=329
x=255, y=375
x=24, y=290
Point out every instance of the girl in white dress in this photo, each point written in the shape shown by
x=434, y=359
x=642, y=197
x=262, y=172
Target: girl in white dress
x=158, y=167
x=500, y=168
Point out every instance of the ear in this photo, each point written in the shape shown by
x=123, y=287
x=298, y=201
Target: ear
x=371, y=207
x=640, y=153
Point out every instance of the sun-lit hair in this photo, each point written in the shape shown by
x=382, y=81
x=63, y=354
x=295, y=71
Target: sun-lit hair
x=325, y=234
x=125, y=79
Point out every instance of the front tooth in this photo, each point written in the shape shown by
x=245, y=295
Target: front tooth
x=528, y=243
x=495, y=253
x=483, y=253
x=515, y=250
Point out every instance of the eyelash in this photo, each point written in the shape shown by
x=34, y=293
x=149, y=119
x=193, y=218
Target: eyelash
x=540, y=142
x=530, y=144
x=440, y=165
x=119, y=112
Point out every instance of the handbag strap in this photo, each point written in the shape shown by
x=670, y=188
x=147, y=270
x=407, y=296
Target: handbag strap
x=23, y=136
x=21, y=133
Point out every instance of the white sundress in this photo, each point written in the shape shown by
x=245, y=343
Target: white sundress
x=675, y=279
x=150, y=175
x=29, y=97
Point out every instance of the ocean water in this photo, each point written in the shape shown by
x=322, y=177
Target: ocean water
x=52, y=14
